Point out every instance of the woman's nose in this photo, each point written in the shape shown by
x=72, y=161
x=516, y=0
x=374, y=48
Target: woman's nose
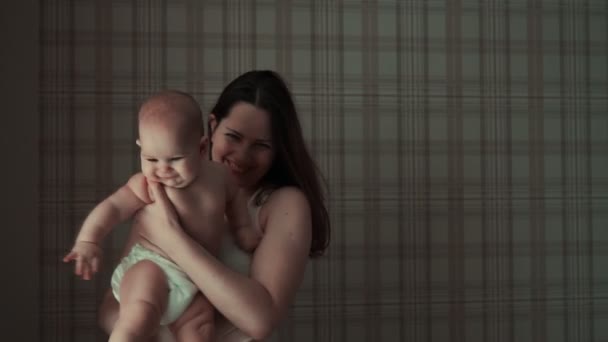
x=242, y=156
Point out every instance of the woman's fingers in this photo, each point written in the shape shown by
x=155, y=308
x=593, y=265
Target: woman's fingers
x=167, y=209
x=159, y=193
x=153, y=186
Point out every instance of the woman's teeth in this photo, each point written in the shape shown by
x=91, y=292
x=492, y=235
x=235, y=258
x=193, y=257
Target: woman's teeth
x=235, y=168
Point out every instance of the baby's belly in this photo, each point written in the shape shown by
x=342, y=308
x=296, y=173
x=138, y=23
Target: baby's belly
x=210, y=237
x=135, y=237
x=147, y=244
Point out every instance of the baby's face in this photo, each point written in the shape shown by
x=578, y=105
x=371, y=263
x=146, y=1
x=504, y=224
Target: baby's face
x=167, y=159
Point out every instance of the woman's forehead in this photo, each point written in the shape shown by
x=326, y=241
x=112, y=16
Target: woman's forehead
x=249, y=120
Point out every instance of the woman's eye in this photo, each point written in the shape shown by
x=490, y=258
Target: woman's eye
x=232, y=136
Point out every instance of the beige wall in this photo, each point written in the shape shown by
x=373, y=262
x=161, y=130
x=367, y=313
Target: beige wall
x=464, y=143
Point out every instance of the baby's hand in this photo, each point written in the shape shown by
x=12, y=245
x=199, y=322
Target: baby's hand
x=247, y=238
x=88, y=258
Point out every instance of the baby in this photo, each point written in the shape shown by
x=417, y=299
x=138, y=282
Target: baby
x=151, y=289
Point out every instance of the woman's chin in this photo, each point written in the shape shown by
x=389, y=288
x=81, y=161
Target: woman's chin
x=237, y=177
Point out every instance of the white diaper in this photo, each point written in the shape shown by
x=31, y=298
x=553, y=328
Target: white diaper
x=181, y=288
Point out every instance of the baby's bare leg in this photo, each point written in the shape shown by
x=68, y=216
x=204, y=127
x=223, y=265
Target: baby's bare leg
x=196, y=324
x=143, y=299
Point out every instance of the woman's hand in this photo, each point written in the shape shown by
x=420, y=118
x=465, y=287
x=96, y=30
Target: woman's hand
x=158, y=222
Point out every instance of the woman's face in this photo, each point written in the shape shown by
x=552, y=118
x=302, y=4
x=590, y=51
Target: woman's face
x=242, y=141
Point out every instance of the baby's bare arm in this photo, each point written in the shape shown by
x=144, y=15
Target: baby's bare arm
x=118, y=207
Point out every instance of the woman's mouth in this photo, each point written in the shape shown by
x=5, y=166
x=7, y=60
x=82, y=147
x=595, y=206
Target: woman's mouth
x=235, y=168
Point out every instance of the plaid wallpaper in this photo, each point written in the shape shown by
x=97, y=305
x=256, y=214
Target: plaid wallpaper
x=465, y=145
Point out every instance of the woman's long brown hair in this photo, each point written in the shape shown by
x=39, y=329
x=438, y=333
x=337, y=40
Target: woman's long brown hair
x=292, y=164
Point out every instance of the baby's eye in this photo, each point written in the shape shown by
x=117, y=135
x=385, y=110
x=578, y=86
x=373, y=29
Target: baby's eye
x=176, y=159
x=152, y=160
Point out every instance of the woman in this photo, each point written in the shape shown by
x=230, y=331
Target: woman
x=255, y=132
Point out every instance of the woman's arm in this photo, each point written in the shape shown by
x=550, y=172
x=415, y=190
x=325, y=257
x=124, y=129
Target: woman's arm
x=253, y=304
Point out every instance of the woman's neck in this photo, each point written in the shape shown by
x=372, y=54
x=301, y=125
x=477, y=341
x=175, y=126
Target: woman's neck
x=250, y=191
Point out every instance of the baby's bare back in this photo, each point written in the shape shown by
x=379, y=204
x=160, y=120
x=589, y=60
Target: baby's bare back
x=200, y=208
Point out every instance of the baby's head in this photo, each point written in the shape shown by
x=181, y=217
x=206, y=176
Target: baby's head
x=171, y=138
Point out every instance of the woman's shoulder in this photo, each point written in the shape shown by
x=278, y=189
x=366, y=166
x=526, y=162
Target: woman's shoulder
x=285, y=203
x=287, y=197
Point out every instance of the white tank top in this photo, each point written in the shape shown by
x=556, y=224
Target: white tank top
x=230, y=254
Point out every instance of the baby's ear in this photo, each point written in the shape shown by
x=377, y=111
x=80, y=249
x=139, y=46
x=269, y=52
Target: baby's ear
x=204, y=144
